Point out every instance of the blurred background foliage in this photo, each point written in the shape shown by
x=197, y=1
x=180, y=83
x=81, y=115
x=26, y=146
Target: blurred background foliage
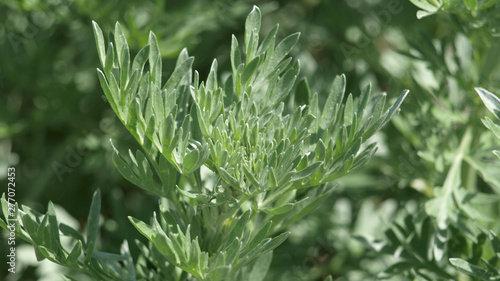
x=55, y=123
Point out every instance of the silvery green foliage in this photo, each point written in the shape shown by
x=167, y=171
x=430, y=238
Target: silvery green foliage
x=270, y=168
x=489, y=268
x=453, y=168
x=44, y=232
x=492, y=103
x=231, y=166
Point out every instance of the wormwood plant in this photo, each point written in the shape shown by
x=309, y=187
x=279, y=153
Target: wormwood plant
x=454, y=226
x=489, y=269
x=233, y=161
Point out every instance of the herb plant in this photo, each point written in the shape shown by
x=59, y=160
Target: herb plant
x=450, y=225
x=233, y=161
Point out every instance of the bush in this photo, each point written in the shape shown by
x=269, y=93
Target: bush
x=237, y=160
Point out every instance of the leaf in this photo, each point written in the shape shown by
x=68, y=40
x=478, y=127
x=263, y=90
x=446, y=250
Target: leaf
x=261, y=267
x=107, y=256
x=426, y=5
x=239, y=226
x=68, y=278
x=334, y=98
x=252, y=27
x=250, y=177
x=121, y=43
x=180, y=72
x=219, y=273
x=75, y=253
x=93, y=220
x=235, y=55
x=275, y=242
x=497, y=153
x=283, y=48
x=491, y=101
x=250, y=70
x=471, y=4
x=488, y=171
x=304, y=173
x=268, y=42
x=197, y=196
x=124, y=168
x=140, y=60
x=229, y=179
x=154, y=60
x=108, y=64
x=190, y=161
x=302, y=92
x=143, y=228
x=470, y=269
x=395, y=107
x=69, y=231
x=55, y=242
x=279, y=210
x=111, y=96
x=100, y=44
x=494, y=128
x=348, y=111
x=495, y=243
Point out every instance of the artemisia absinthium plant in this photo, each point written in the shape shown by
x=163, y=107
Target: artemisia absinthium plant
x=231, y=164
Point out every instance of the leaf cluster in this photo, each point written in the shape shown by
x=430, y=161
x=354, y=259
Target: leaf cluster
x=268, y=168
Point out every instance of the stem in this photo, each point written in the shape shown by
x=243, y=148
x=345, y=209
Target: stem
x=275, y=196
x=453, y=178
